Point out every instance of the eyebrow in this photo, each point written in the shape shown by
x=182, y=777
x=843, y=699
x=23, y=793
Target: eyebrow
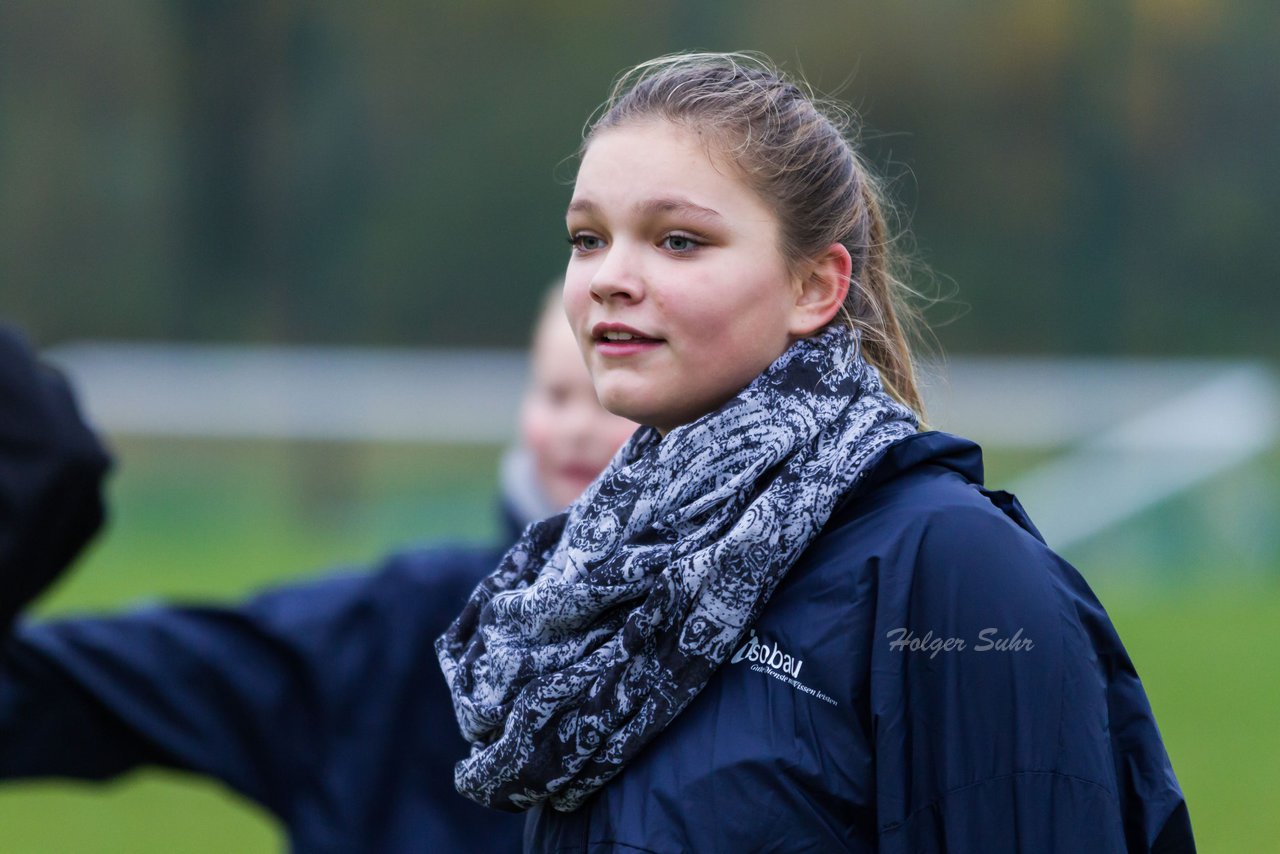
x=652, y=207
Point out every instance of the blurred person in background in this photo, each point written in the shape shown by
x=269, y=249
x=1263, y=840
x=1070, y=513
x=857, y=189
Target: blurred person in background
x=322, y=701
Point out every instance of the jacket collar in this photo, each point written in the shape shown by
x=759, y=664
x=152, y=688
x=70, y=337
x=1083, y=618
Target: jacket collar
x=931, y=447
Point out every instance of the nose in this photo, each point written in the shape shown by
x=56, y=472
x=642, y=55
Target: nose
x=617, y=275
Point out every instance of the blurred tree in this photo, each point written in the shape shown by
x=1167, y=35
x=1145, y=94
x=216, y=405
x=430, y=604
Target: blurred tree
x=1094, y=177
x=274, y=156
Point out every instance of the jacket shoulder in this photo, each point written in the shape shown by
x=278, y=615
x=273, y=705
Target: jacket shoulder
x=928, y=485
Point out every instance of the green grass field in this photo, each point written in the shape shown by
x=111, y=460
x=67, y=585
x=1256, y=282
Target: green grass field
x=216, y=520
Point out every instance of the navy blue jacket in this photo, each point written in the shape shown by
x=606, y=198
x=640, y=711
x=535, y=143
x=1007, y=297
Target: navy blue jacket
x=929, y=677
x=850, y=720
x=323, y=702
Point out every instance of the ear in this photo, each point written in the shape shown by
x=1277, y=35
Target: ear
x=820, y=290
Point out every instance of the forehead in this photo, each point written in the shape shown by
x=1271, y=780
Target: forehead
x=658, y=167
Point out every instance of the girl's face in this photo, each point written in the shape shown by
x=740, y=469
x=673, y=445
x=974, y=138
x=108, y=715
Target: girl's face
x=676, y=287
x=569, y=435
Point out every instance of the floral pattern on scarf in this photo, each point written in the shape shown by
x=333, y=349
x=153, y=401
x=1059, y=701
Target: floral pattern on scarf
x=602, y=623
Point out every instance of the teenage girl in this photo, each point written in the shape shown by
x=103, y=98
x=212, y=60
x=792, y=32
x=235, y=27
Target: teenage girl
x=785, y=617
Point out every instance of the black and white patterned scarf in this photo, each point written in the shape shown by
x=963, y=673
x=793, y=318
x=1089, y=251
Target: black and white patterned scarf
x=602, y=623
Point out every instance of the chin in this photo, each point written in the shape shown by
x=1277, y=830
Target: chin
x=626, y=403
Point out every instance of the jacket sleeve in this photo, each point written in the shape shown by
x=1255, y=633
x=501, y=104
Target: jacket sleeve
x=51, y=471
x=1015, y=721
x=240, y=694
x=278, y=697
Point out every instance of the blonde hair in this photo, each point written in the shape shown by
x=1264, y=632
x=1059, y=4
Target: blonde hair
x=798, y=153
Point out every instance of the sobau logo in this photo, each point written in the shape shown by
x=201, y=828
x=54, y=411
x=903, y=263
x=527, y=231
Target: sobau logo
x=770, y=656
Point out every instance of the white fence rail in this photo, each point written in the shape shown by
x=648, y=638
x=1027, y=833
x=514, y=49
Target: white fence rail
x=1132, y=432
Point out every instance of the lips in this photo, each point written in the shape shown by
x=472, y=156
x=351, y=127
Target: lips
x=618, y=339
x=620, y=332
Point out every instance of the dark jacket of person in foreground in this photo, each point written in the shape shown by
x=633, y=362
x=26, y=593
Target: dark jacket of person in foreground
x=929, y=677
x=971, y=696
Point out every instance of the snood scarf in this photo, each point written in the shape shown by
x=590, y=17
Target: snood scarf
x=603, y=622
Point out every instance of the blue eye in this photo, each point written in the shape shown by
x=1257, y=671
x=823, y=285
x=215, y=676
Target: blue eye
x=585, y=242
x=680, y=243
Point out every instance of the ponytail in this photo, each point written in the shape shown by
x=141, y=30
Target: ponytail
x=876, y=303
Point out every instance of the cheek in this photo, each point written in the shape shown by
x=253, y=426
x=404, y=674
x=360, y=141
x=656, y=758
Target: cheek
x=577, y=295
x=696, y=308
x=711, y=318
x=757, y=305
x=535, y=427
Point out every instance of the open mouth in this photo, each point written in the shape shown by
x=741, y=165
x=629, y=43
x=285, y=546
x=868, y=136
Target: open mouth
x=622, y=337
x=616, y=340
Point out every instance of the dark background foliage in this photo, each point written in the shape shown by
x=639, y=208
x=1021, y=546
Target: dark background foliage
x=1092, y=177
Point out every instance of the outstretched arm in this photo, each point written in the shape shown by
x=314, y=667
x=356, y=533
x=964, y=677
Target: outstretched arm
x=322, y=701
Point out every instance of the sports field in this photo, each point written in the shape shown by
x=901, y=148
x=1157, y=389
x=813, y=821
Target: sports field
x=216, y=520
